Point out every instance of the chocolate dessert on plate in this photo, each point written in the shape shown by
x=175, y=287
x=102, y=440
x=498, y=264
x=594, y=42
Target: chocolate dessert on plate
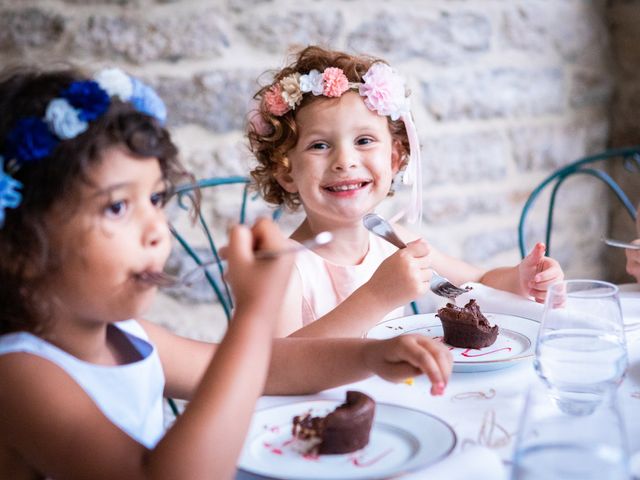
x=344, y=430
x=466, y=327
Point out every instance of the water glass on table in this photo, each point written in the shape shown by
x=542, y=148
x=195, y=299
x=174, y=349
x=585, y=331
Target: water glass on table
x=555, y=445
x=581, y=352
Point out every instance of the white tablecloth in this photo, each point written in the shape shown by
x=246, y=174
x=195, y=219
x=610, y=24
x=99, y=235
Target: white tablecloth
x=484, y=407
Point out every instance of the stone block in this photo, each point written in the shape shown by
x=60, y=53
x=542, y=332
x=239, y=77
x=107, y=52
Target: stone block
x=278, y=32
x=218, y=100
x=464, y=158
x=242, y=5
x=547, y=147
x=482, y=246
x=139, y=36
x=230, y=158
x=456, y=208
x=495, y=93
x=22, y=29
x=442, y=38
x=542, y=27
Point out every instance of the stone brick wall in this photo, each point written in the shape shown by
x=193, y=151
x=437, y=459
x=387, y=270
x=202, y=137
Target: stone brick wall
x=502, y=92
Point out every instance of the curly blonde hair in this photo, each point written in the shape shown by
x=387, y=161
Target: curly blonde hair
x=270, y=145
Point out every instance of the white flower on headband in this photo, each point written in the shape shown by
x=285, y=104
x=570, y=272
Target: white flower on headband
x=115, y=82
x=383, y=91
x=291, y=92
x=312, y=82
x=64, y=120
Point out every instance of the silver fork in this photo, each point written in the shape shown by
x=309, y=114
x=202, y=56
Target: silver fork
x=162, y=279
x=617, y=243
x=438, y=284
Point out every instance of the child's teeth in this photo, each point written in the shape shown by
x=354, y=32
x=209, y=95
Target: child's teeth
x=343, y=188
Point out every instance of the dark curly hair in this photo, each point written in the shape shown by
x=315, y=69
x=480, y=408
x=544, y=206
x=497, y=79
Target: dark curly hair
x=25, y=254
x=270, y=149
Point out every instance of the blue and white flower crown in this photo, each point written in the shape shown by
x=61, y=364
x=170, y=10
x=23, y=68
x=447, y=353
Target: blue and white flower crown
x=67, y=116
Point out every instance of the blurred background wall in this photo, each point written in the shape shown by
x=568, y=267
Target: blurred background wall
x=503, y=92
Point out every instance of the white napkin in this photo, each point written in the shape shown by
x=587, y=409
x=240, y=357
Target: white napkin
x=492, y=300
x=476, y=462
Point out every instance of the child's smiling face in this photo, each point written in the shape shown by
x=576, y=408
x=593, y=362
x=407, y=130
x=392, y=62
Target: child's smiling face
x=343, y=163
x=117, y=231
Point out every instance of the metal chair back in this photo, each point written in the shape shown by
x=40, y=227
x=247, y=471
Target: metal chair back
x=236, y=210
x=594, y=166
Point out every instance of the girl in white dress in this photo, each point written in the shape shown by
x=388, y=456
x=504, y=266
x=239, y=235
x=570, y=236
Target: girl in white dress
x=86, y=169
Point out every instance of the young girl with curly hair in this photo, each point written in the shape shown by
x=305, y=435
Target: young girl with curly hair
x=86, y=168
x=331, y=132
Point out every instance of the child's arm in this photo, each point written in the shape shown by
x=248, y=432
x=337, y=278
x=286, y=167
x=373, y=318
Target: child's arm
x=56, y=429
x=306, y=365
x=209, y=436
x=531, y=277
x=398, y=280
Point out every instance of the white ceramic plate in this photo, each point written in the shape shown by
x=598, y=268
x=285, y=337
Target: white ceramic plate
x=516, y=339
x=401, y=440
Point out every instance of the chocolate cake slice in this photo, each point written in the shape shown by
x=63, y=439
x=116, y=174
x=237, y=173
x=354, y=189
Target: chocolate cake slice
x=466, y=327
x=344, y=430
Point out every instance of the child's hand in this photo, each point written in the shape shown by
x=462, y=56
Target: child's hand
x=633, y=261
x=404, y=276
x=257, y=284
x=410, y=355
x=538, y=272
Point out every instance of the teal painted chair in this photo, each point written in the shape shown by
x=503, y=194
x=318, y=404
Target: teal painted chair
x=187, y=197
x=594, y=166
x=185, y=220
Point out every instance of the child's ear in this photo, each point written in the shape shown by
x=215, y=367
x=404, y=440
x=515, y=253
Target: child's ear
x=284, y=178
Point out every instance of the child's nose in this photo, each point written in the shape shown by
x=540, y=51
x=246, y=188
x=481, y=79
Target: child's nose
x=344, y=159
x=156, y=229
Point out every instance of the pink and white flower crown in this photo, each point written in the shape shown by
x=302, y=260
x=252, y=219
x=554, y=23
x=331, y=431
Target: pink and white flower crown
x=383, y=92
x=382, y=88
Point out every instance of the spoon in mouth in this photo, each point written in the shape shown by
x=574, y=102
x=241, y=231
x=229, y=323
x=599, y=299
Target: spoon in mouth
x=162, y=279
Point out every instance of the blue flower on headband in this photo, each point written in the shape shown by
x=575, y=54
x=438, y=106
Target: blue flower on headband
x=30, y=140
x=64, y=120
x=10, y=197
x=68, y=115
x=146, y=100
x=88, y=97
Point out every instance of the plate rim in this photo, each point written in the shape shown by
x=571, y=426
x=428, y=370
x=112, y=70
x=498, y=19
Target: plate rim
x=401, y=469
x=516, y=358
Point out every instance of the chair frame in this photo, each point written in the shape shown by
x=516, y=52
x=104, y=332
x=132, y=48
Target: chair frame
x=631, y=160
x=186, y=200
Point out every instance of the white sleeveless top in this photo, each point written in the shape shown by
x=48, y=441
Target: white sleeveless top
x=129, y=395
x=325, y=285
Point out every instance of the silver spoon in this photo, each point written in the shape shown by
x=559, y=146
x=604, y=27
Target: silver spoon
x=617, y=243
x=438, y=284
x=162, y=279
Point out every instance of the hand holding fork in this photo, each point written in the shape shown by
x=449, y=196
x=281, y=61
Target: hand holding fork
x=438, y=284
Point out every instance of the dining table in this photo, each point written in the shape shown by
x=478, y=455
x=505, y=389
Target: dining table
x=482, y=406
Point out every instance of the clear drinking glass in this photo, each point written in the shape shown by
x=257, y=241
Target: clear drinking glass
x=555, y=445
x=581, y=351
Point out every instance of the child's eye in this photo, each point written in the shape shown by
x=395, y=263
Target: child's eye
x=364, y=141
x=319, y=146
x=159, y=199
x=116, y=209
